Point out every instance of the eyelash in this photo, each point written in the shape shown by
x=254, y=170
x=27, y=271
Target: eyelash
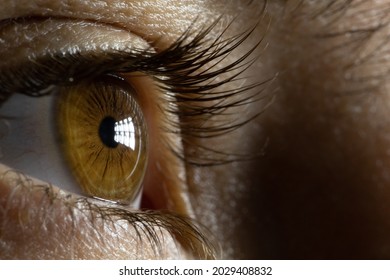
x=146, y=224
x=177, y=70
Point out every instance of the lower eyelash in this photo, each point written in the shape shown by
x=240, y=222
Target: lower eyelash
x=146, y=225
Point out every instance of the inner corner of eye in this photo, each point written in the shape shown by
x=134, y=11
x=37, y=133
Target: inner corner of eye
x=104, y=138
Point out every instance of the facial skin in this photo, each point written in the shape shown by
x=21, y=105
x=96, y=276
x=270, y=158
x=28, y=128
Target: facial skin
x=305, y=177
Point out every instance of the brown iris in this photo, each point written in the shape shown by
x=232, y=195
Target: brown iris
x=104, y=138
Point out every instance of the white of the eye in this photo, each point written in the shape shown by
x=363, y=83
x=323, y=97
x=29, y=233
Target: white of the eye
x=31, y=144
x=125, y=132
x=29, y=141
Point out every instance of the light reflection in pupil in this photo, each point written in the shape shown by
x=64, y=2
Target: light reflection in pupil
x=125, y=132
x=112, y=132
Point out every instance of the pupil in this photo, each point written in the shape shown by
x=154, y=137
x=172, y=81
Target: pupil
x=107, y=132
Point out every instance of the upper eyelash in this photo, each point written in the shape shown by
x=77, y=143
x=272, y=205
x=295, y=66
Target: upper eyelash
x=178, y=71
x=176, y=63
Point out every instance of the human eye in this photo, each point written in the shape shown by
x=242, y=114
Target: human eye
x=142, y=97
x=48, y=129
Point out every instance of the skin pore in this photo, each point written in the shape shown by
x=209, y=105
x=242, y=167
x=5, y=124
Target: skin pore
x=292, y=164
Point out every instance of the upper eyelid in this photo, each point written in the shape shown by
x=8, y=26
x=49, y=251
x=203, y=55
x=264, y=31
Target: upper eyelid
x=41, y=61
x=192, y=72
x=44, y=72
x=182, y=58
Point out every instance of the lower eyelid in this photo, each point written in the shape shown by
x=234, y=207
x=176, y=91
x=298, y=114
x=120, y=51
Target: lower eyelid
x=52, y=224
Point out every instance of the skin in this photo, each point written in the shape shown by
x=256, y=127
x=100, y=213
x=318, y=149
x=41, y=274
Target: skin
x=319, y=188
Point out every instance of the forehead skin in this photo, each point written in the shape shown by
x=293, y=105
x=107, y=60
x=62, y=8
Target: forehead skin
x=321, y=187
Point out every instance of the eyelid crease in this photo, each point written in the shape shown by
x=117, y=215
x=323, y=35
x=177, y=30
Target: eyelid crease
x=175, y=64
x=188, y=72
